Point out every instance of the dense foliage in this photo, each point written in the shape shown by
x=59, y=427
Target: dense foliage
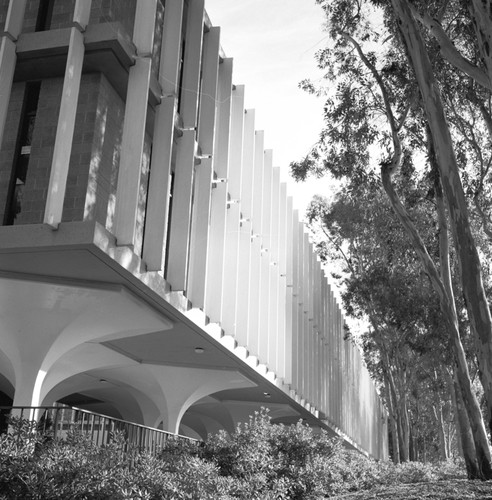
x=259, y=461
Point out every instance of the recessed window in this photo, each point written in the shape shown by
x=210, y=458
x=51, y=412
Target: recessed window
x=22, y=154
x=45, y=14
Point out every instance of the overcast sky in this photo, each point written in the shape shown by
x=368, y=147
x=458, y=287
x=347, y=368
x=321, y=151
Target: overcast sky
x=273, y=43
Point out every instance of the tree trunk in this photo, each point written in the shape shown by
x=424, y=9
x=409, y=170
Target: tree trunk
x=437, y=410
x=392, y=424
x=443, y=449
x=470, y=267
x=464, y=432
x=404, y=427
x=412, y=449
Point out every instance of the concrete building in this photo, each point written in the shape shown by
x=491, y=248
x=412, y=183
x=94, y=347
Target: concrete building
x=152, y=267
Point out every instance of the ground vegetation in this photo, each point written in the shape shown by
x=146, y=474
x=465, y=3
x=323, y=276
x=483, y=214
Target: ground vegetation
x=258, y=461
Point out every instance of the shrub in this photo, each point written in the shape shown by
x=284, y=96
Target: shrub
x=259, y=461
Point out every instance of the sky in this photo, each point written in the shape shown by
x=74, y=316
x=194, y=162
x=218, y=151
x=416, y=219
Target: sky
x=273, y=43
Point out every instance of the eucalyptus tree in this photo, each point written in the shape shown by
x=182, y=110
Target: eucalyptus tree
x=389, y=77
x=479, y=24
x=381, y=280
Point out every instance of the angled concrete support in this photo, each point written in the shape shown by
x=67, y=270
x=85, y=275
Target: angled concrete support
x=194, y=384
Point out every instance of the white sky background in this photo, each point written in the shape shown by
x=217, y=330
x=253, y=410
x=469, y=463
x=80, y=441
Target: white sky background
x=273, y=43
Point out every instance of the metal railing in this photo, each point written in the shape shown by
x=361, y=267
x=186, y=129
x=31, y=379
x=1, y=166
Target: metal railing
x=59, y=420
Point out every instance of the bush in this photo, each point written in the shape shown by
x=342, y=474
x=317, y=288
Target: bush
x=258, y=461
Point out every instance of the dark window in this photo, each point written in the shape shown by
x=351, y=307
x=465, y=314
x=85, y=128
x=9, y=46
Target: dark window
x=182, y=55
x=22, y=153
x=45, y=13
x=169, y=215
x=180, y=78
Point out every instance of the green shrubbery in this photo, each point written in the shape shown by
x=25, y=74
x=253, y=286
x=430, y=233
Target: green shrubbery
x=259, y=461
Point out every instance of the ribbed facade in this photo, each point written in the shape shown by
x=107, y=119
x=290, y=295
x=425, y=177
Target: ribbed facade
x=130, y=167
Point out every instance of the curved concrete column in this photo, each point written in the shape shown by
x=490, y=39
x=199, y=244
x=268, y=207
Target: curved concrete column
x=203, y=425
x=214, y=414
x=189, y=432
x=114, y=381
x=183, y=386
x=106, y=315
x=85, y=358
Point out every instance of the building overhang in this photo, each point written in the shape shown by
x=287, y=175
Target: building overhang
x=84, y=254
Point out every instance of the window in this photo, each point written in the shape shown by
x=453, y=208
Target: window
x=22, y=153
x=45, y=13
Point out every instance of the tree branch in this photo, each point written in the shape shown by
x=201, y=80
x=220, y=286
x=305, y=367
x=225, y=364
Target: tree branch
x=448, y=49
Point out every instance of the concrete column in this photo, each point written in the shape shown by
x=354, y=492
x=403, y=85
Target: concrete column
x=179, y=234
x=217, y=255
x=190, y=88
x=329, y=360
x=199, y=239
x=8, y=58
x=267, y=341
x=245, y=232
x=162, y=145
x=296, y=332
x=255, y=253
x=314, y=326
x=334, y=363
x=233, y=216
x=300, y=347
x=312, y=333
x=194, y=384
x=276, y=344
x=338, y=355
x=132, y=142
x=285, y=293
x=66, y=118
x=317, y=327
x=177, y=269
x=306, y=339
x=324, y=339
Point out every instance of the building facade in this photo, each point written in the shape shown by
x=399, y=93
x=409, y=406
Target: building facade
x=152, y=267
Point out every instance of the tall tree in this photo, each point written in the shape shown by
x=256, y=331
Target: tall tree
x=381, y=281
x=398, y=85
x=470, y=266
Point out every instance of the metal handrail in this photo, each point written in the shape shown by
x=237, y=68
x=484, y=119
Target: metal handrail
x=60, y=419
